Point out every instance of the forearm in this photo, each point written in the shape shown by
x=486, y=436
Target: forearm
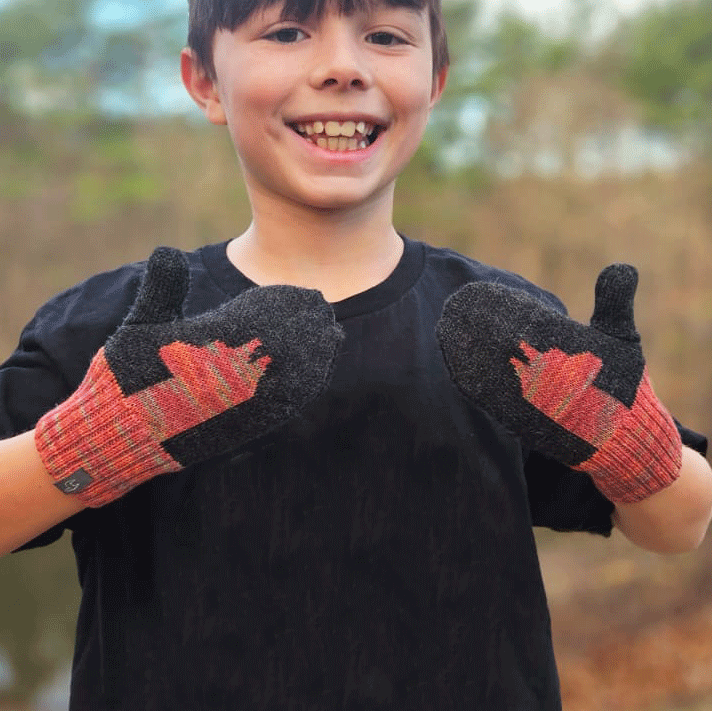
x=675, y=519
x=29, y=502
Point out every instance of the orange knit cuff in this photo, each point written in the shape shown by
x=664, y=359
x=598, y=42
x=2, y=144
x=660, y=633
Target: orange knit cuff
x=94, y=446
x=642, y=456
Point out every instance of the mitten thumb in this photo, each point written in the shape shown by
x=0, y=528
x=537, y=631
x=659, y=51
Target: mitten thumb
x=162, y=290
x=613, y=310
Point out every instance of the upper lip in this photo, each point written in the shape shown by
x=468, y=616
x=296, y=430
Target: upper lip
x=340, y=117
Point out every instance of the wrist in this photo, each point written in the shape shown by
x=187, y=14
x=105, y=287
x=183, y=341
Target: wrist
x=675, y=520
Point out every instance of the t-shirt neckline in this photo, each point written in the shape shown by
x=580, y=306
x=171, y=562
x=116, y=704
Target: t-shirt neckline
x=409, y=268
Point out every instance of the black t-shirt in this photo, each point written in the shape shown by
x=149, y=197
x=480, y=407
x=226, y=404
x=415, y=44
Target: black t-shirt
x=375, y=553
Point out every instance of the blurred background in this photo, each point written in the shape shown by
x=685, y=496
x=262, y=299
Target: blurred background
x=572, y=134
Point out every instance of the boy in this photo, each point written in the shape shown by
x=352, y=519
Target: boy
x=349, y=484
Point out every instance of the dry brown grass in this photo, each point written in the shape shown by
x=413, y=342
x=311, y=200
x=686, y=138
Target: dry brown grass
x=632, y=630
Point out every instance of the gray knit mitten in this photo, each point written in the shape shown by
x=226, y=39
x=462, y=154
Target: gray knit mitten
x=166, y=392
x=577, y=394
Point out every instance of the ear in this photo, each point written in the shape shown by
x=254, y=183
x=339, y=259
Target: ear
x=439, y=81
x=201, y=87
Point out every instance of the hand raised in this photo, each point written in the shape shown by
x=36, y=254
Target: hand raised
x=578, y=394
x=166, y=392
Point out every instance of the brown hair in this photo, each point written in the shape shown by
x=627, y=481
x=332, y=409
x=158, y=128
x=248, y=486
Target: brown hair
x=209, y=16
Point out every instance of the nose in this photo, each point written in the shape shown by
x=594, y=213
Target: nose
x=339, y=64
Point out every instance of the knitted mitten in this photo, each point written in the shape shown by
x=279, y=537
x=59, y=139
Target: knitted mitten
x=577, y=394
x=165, y=392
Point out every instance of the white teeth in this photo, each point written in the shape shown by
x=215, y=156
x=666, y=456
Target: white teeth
x=336, y=135
x=334, y=129
x=341, y=143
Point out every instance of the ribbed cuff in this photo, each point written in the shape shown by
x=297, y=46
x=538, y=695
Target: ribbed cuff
x=643, y=456
x=92, y=444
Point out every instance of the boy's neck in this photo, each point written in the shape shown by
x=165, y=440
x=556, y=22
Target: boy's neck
x=340, y=253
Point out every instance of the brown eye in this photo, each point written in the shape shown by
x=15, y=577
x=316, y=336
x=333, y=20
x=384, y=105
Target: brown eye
x=287, y=35
x=385, y=39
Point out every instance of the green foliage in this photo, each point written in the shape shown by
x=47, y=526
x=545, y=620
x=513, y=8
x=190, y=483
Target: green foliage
x=474, y=180
x=517, y=48
x=41, y=30
x=16, y=186
x=669, y=67
x=97, y=195
x=557, y=55
x=116, y=175
x=103, y=132
x=44, y=39
x=51, y=48
x=123, y=56
x=37, y=639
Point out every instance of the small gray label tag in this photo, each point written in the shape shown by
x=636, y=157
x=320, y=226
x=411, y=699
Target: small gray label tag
x=74, y=483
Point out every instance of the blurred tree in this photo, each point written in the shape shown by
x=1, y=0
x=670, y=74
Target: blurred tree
x=128, y=58
x=669, y=66
x=551, y=115
x=122, y=57
x=41, y=41
x=55, y=58
x=446, y=130
x=517, y=48
x=549, y=95
x=487, y=65
x=539, y=97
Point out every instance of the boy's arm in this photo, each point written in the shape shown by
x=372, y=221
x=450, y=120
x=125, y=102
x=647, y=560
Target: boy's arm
x=675, y=519
x=30, y=504
x=166, y=392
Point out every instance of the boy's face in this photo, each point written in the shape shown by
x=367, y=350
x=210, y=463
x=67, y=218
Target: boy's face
x=283, y=88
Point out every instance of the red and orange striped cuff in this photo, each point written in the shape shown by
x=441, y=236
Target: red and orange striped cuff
x=94, y=446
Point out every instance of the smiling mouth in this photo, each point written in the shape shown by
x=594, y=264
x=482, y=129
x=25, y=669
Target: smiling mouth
x=339, y=135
